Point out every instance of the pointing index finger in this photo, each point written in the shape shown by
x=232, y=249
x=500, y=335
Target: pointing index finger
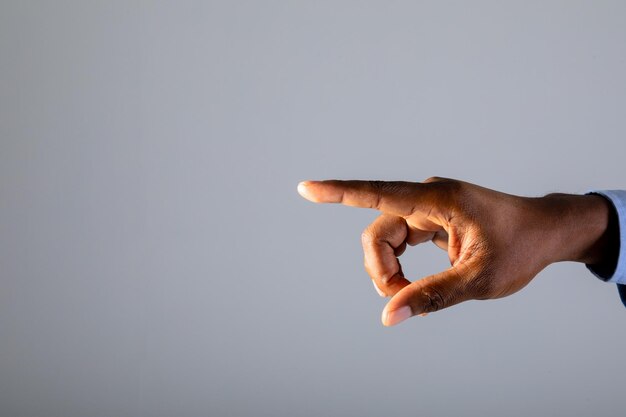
x=394, y=197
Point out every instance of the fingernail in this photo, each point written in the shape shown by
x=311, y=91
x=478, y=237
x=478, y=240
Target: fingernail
x=302, y=188
x=382, y=294
x=423, y=314
x=396, y=316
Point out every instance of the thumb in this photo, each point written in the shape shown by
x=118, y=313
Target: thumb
x=429, y=294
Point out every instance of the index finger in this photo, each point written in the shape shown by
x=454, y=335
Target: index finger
x=400, y=198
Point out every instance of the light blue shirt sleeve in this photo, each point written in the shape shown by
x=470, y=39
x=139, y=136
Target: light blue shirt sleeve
x=618, y=276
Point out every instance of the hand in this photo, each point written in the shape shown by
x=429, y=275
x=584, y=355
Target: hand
x=497, y=243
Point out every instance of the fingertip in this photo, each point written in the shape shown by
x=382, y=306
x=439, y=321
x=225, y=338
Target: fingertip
x=303, y=189
x=393, y=317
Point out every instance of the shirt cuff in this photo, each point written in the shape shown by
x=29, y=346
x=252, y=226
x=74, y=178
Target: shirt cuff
x=618, y=273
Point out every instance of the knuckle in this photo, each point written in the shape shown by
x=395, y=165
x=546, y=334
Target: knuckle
x=386, y=277
x=451, y=186
x=378, y=187
x=434, y=300
x=443, y=182
x=382, y=192
x=389, y=187
x=367, y=237
x=433, y=179
x=376, y=184
x=449, y=191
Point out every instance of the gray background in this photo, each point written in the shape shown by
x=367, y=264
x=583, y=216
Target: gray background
x=156, y=260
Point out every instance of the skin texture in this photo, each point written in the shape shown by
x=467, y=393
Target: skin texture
x=496, y=242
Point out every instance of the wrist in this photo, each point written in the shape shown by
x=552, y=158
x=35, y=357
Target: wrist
x=583, y=227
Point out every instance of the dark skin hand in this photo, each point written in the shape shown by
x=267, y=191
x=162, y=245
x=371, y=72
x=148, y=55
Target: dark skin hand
x=496, y=242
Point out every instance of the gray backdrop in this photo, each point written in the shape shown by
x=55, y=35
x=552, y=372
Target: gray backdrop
x=156, y=260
